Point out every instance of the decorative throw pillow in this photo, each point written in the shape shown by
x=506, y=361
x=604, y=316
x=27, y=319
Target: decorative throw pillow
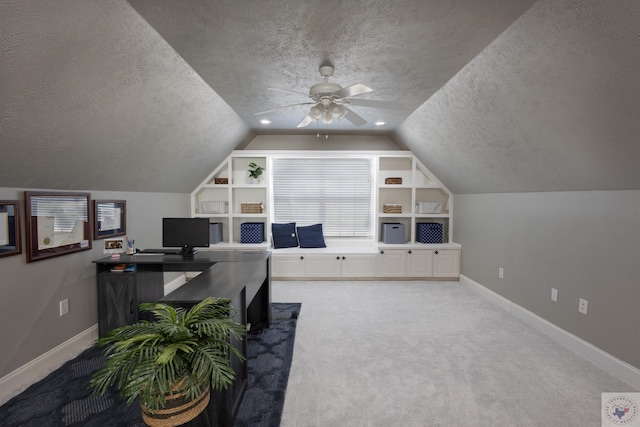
x=284, y=235
x=311, y=236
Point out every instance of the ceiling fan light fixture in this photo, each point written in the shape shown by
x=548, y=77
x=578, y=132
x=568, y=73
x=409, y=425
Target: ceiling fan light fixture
x=316, y=111
x=337, y=111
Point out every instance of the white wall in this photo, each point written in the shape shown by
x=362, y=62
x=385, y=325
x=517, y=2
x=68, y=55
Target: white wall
x=312, y=142
x=585, y=244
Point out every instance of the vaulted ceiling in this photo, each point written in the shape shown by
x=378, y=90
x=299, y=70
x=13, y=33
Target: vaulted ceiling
x=151, y=95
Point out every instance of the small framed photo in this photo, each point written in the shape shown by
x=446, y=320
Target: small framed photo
x=109, y=218
x=114, y=245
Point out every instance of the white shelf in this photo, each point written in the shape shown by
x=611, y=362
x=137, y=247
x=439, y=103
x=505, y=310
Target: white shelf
x=418, y=185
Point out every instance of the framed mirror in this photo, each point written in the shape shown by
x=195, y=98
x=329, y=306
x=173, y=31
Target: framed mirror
x=10, y=237
x=56, y=224
x=109, y=218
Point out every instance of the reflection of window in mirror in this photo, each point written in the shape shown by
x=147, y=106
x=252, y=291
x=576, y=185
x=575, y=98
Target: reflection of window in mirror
x=9, y=228
x=56, y=224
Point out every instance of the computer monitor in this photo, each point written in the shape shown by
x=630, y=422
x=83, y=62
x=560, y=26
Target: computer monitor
x=185, y=233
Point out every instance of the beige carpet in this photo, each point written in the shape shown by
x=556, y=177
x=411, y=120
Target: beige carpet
x=428, y=354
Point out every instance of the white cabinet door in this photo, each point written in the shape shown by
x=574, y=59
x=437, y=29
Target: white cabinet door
x=287, y=266
x=392, y=263
x=420, y=263
x=446, y=263
x=318, y=265
x=358, y=265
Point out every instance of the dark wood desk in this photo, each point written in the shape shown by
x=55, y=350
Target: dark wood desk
x=242, y=277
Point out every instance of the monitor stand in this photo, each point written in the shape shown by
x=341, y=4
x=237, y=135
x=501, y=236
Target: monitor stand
x=188, y=251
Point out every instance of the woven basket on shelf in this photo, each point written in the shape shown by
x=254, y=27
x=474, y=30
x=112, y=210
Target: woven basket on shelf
x=221, y=180
x=393, y=180
x=392, y=208
x=250, y=207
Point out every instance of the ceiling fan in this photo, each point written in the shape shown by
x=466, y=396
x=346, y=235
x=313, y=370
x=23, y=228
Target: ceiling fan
x=330, y=101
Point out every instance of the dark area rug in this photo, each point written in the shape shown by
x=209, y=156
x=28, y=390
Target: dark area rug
x=64, y=398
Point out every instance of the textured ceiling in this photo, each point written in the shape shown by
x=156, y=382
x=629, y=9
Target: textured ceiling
x=150, y=95
x=405, y=49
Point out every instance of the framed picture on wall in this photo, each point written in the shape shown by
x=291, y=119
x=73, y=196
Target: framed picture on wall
x=10, y=238
x=109, y=218
x=56, y=224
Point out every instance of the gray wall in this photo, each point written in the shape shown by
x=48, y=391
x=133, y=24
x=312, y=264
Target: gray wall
x=30, y=324
x=585, y=244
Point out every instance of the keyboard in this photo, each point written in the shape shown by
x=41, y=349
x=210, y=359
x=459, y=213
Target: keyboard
x=161, y=251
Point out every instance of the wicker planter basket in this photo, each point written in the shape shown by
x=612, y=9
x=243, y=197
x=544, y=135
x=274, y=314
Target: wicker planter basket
x=250, y=207
x=393, y=180
x=177, y=411
x=392, y=208
x=221, y=180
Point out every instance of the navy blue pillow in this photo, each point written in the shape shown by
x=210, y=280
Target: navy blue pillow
x=311, y=236
x=284, y=235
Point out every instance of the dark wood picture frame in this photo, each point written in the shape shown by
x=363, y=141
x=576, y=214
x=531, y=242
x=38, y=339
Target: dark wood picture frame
x=10, y=237
x=109, y=218
x=56, y=224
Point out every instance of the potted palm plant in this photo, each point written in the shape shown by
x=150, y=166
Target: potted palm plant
x=172, y=362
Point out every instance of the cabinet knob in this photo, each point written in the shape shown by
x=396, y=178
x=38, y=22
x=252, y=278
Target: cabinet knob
x=436, y=252
x=381, y=252
x=301, y=257
x=410, y=252
x=338, y=258
x=343, y=258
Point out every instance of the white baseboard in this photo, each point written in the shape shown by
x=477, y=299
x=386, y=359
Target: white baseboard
x=17, y=381
x=610, y=364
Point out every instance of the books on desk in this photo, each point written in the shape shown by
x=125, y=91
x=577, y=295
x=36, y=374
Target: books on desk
x=120, y=268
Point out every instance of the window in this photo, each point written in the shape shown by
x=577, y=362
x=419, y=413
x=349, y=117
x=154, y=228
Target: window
x=335, y=192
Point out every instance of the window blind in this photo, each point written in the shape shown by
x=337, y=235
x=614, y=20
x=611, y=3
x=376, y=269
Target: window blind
x=329, y=191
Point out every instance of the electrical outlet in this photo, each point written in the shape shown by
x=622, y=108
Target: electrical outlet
x=583, y=306
x=554, y=295
x=64, y=307
x=501, y=273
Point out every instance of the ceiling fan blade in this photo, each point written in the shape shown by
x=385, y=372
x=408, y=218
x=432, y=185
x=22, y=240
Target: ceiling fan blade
x=305, y=122
x=287, y=91
x=353, y=90
x=282, y=108
x=353, y=117
x=391, y=105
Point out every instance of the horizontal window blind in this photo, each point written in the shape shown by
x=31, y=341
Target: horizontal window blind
x=333, y=192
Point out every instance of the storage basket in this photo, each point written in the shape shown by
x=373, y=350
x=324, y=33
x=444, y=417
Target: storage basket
x=214, y=207
x=252, y=232
x=429, y=232
x=215, y=233
x=221, y=180
x=392, y=208
x=394, y=180
x=393, y=233
x=251, y=207
x=428, y=207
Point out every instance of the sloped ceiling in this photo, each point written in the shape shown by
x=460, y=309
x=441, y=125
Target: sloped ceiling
x=497, y=95
x=552, y=104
